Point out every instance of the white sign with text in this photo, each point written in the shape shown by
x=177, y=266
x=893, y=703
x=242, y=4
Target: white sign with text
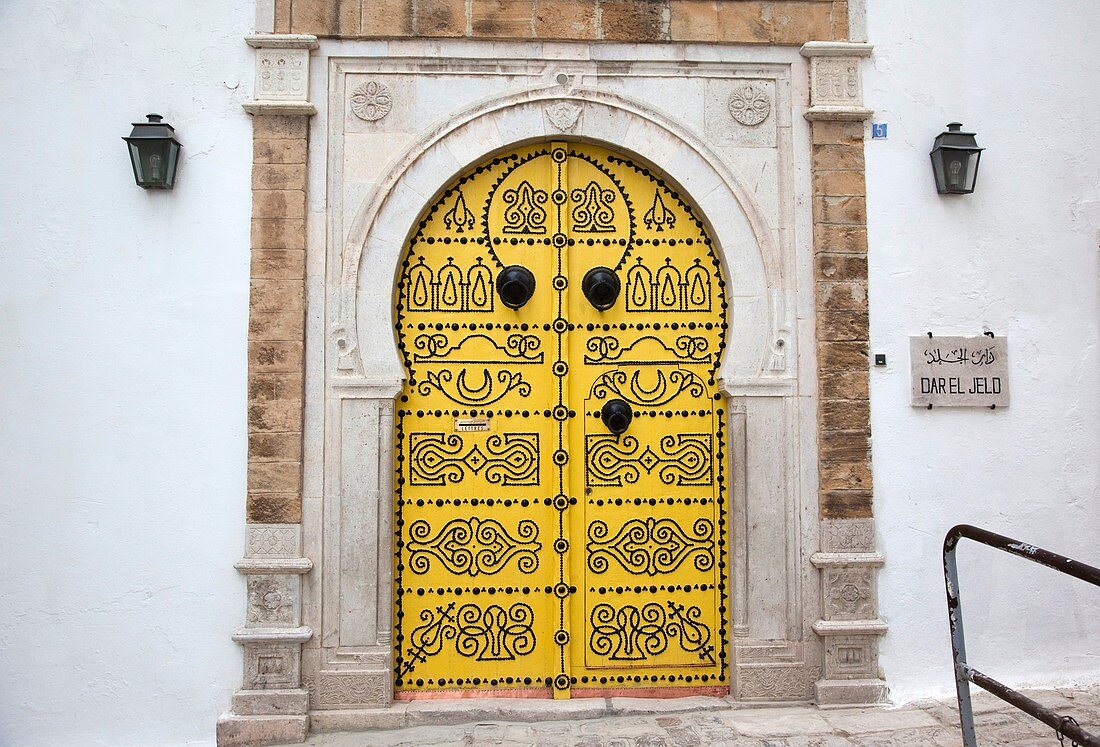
x=959, y=371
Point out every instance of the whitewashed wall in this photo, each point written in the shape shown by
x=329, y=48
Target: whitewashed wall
x=122, y=372
x=1018, y=257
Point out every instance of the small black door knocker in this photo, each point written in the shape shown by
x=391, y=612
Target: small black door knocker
x=616, y=416
x=601, y=287
x=515, y=285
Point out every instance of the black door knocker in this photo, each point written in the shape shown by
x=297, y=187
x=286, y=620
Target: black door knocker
x=601, y=287
x=515, y=285
x=616, y=415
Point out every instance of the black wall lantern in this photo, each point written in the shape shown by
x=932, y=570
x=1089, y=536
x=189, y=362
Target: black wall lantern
x=154, y=152
x=955, y=157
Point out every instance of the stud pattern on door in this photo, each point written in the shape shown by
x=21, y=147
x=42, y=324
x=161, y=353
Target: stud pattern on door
x=538, y=551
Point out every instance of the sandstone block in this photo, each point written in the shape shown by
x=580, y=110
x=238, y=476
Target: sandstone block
x=278, y=264
x=281, y=150
x=270, y=233
x=275, y=447
x=841, y=266
x=846, y=504
x=693, y=20
x=278, y=295
x=845, y=445
x=838, y=157
x=279, y=126
x=840, y=238
x=279, y=176
x=274, y=508
x=799, y=22
x=440, y=18
x=277, y=415
x=275, y=357
x=851, y=210
x=842, y=325
x=845, y=415
x=275, y=325
x=743, y=22
x=846, y=475
x=842, y=356
x=565, y=19
x=502, y=19
x=631, y=20
x=840, y=183
x=386, y=18
x=844, y=295
x=831, y=132
x=275, y=477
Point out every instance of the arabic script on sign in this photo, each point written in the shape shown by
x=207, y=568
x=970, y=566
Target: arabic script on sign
x=959, y=371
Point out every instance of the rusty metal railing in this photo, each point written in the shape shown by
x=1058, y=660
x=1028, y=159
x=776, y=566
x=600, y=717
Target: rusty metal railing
x=1064, y=726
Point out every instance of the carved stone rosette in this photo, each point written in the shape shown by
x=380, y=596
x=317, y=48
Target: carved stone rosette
x=849, y=626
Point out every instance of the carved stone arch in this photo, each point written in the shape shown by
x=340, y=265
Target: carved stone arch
x=746, y=246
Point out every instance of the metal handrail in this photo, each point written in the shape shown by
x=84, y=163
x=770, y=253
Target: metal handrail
x=1064, y=726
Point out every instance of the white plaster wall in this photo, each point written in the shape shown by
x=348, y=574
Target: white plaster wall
x=1018, y=257
x=122, y=372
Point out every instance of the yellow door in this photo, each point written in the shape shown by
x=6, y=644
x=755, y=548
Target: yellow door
x=561, y=491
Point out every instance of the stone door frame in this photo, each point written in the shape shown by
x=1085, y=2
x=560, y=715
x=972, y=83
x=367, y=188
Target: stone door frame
x=353, y=371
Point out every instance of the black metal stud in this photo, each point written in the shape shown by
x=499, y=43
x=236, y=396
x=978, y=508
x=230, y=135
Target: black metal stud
x=616, y=415
x=515, y=285
x=601, y=287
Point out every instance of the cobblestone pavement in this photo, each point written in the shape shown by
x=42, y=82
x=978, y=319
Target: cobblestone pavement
x=922, y=723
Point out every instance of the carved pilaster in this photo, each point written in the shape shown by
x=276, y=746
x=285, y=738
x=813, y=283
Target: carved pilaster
x=272, y=706
x=850, y=626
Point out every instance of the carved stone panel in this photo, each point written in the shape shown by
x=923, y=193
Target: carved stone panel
x=349, y=689
x=274, y=541
x=273, y=600
x=836, y=82
x=849, y=593
x=282, y=74
x=848, y=535
x=776, y=682
x=851, y=657
x=271, y=665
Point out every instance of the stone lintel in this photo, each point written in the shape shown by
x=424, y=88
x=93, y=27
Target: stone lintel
x=300, y=634
x=280, y=108
x=274, y=565
x=838, y=113
x=850, y=627
x=281, y=41
x=826, y=559
x=836, y=49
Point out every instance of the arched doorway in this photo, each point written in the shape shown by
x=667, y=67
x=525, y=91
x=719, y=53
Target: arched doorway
x=560, y=512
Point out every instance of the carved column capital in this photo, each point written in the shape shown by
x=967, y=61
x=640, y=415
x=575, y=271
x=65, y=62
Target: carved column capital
x=282, y=74
x=836, y=88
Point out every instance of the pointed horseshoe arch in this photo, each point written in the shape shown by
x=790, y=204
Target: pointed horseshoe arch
x=364, y=350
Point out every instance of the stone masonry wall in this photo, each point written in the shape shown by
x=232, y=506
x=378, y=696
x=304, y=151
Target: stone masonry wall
x=788, y=22
x=840, y=279
x=276, y=324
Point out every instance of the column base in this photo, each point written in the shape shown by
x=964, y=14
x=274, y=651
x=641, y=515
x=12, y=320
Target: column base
x=846, y=693
x=253, y=731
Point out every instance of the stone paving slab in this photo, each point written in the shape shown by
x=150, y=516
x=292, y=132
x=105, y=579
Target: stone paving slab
x=633, y=722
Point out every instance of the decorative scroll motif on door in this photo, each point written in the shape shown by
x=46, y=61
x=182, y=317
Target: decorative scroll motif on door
x=593, y=210
x=650, y=546
x=524, y=213
x=478, y=348
x=441, y=458
x=659, y=217
x=667, y=387
x=680, y=459
x=473, y=546
x=648, y=351
x=490, y=390
x=632, y=633
x=492, y=633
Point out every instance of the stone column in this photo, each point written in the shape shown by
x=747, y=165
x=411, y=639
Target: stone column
x=849, y=626
x=272, y=706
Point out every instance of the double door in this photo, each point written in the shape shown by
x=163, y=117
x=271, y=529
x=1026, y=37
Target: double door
x=560, y=503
